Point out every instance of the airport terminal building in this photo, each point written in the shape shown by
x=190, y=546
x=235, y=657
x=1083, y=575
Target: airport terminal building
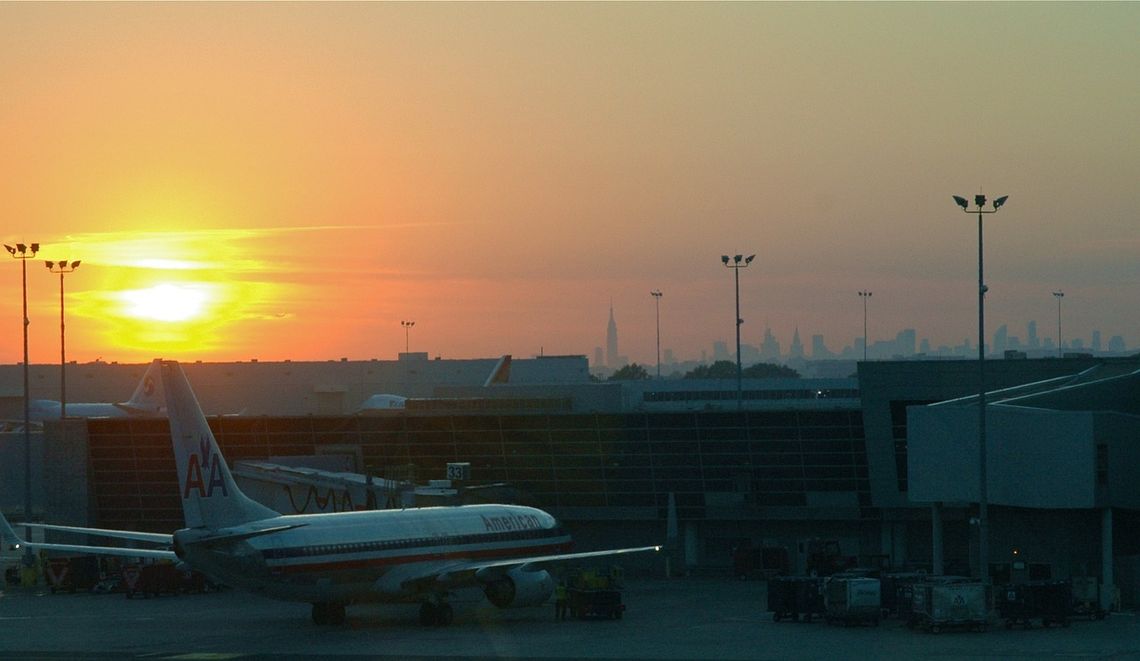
x=885, y=464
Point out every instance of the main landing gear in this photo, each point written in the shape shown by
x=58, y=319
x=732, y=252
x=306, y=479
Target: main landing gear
x=436, y=613
x=327, y=612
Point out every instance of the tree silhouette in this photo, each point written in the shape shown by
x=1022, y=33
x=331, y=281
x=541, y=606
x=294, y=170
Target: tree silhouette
x=724, y=369
x=630, y=372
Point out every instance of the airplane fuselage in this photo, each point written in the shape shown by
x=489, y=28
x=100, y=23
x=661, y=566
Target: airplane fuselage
x=352, y=557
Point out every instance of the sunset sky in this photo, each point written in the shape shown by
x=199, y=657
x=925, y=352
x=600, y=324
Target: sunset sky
x=280, y=181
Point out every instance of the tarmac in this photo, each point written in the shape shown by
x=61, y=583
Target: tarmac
x=671, y=619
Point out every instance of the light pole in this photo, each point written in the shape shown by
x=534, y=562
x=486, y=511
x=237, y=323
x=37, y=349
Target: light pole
x=983, y=488
x=62, y=267
x=738, y=262
x=864, y=295
x=23, y=253
x=407, y=329
x=1059, y=295
x=656, y=294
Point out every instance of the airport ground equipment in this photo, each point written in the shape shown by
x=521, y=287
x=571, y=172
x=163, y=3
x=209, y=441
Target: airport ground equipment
x=1086, y=598
x=795, y=597
x=592, y=594
x=897, y=593
x=852, y=600
x=1048, y=601
x=72, y=574
x=946, y=602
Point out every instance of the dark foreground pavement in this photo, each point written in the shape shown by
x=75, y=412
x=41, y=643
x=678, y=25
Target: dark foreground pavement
x=687, y=618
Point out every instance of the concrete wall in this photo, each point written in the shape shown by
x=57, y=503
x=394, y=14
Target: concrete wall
x=1035, y=458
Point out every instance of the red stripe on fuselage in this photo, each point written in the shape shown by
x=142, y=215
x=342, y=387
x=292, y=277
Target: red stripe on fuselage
x=393, y=560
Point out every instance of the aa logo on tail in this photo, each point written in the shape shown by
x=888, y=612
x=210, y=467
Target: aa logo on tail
x=204, y=472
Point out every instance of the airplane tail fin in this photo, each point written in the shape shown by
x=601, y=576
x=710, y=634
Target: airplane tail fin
x=147, y=398
x=501, y=373
x=210, y=497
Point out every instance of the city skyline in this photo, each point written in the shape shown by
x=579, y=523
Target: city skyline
x=905, y=343
x=291, y=180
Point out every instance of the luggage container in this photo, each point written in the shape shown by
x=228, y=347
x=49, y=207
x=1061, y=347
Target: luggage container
x=898, y=592
x=793, y=597
x=938, y=605
x=1049, y=601
x=1086, y=598
x=853, y=600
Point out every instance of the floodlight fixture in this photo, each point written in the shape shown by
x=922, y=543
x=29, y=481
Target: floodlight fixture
x=738, y=262
x=1000, y=201
x=980, y=200
x=961, y=201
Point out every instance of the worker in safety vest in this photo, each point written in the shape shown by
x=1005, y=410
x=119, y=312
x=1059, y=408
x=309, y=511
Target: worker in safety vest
x=560, y=601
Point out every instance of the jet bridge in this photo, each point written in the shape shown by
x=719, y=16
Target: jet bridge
x=304, y=490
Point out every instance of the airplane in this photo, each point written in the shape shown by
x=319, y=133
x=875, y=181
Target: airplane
x=386, y=402
x=146, y=401
x=332, y=560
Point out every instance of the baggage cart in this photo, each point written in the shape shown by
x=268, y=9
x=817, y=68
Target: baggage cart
x=853, y=600
x=586, y=603
x=1048, y=601
x=940, y=605
x=72, y=574
x=898, y=593
x=795, y=597
x=592, y=594
x=1086, y=598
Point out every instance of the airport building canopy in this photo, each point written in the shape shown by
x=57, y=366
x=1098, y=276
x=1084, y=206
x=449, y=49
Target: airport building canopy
x=1066, y=442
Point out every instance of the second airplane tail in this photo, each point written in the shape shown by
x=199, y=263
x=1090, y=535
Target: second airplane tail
x=210, y=498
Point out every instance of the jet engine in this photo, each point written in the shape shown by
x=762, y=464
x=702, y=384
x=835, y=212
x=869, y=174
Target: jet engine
x=518, y=588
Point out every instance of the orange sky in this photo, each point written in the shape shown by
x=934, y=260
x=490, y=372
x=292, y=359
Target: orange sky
x=278, y=180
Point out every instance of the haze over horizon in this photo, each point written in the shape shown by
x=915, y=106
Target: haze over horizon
x=291, y=180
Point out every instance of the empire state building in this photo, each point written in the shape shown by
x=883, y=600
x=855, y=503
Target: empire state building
x=612, y=358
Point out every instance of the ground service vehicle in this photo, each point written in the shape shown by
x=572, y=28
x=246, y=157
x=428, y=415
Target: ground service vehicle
x=852, y=600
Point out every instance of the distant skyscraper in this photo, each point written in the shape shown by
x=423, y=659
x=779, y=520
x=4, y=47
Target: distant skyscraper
x=797, y=349
x=1032, y=332
x=599, y=357
x=924, y=346
x=1116, y=344
x=612, y=357
x=1096, y=340
x=770, y=347
x=904, y=341
x=819, y=350
x=1000, y=339
x=720, y=352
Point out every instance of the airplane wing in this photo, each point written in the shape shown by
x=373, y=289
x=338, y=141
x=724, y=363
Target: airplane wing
x=152, y=537
x=8, y=535
x=484, y=571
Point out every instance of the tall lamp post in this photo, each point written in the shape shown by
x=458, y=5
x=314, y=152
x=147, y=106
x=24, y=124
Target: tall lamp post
x=983, y=487
x=62, y=267
x=864, y=295
x=407, y=330
x=23, y=253
x=656, y=294
x=1059, y=295
x=738, y=262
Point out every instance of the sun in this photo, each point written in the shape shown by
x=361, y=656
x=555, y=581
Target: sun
x=166, y=302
